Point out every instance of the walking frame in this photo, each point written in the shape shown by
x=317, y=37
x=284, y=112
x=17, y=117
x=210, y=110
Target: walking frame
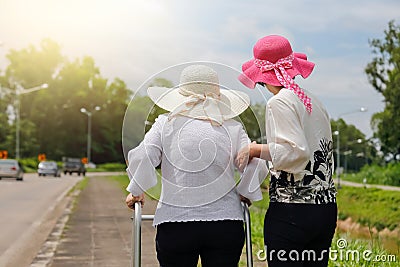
x=137, y=239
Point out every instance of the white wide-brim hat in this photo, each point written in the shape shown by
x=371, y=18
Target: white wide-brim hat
x=199, y=95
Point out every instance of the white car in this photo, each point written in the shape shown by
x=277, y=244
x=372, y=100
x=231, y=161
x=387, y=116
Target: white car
x=49, y=168
x=11, y=168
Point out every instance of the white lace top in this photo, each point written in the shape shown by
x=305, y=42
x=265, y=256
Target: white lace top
x=197, y=169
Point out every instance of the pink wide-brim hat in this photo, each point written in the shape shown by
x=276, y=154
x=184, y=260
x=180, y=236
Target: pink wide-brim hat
x=272, y=48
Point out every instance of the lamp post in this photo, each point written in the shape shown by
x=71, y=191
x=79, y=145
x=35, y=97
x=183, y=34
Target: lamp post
x=364, y=154
x=18, y=92
x=348, y=152
x=337, y=133
x=89, y=134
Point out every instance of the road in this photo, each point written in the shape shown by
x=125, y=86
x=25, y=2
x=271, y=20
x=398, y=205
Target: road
x=29, y=210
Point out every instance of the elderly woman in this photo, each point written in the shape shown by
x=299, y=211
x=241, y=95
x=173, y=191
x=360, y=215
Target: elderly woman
x=199, y=212
x=301, y=218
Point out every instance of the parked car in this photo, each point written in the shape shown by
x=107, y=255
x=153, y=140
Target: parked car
x=71, y=165
x=11, y=168
x=49, y=168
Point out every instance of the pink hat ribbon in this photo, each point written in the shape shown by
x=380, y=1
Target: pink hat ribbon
x=284, y=78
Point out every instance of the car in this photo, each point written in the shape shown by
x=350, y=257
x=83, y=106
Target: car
x=71, y=165
x=49, y=168
x=11, y=168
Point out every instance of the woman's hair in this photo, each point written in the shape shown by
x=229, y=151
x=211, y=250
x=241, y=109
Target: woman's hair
x=261, y=83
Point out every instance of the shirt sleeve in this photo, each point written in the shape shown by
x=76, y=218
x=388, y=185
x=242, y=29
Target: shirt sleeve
x=253, y=175
x=251, y=179
x=143, y=160
x=285, y=136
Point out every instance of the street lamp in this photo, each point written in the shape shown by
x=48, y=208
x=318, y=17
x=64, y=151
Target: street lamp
x=348, y=152
x=20, y=91
x=89, y=135
x=364, y=154
x=337, y=133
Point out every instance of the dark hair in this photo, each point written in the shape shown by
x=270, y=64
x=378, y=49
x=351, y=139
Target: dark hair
x=261, y=83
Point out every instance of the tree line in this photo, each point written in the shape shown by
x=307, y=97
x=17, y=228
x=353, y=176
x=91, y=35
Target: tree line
x=51, y=120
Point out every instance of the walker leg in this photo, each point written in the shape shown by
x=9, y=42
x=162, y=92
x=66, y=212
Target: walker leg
x=249, y=249
x=136, y=235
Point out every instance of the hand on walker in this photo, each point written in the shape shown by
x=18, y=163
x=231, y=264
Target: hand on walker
x=131, y=200
x=245, y=200
x=243, y=157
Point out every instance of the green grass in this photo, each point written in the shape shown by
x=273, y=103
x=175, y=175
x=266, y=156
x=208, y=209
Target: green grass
x=79, y=186
x=109, y=167
x=122, y=180
x=360, y=253
x=375, y=174
x=370, y=206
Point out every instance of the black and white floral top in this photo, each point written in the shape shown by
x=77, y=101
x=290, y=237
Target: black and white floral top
x=301, y=148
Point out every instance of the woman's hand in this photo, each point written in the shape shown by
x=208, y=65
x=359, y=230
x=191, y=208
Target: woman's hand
x=131, y=200
x=244, y=156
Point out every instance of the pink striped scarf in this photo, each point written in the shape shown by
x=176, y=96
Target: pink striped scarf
x=284, y=78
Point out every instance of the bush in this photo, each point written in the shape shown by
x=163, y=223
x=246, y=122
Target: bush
x=109, y=167
x=370, y=206
x=375, y=174
x=29, y=164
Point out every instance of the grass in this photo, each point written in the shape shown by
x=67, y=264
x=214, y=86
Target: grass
x=79, y=186
x=348, y=252
x=375, y=174
x=370, y=207
x=122, y=180
x=109, y=167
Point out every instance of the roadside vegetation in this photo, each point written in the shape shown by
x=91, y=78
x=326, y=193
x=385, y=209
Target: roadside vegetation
x=30, y=165
x=376, y=174
x=370, y=207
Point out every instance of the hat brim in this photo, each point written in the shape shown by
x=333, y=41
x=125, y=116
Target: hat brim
x=231, y=102
x=252, y=74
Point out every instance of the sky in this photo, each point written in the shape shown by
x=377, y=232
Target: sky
x=133, y=40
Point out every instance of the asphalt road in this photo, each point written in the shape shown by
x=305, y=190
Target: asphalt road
x=29, y=210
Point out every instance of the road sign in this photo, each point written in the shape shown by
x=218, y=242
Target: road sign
x=42, y=157
x=3, y=154
x=85, y=160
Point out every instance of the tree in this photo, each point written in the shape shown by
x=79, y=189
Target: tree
x=156, y=110
x=384, y=74
x=355, y=150
x=135, y=126
x=28, y=68
x=5, y=125
x=253, y=120
x=51, y=118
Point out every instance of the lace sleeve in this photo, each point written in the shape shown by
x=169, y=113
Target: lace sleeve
x=143, y=160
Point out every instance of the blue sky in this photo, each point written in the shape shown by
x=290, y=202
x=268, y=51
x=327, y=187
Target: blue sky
x=133, y=39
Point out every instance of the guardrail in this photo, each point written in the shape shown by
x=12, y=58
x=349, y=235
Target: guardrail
x=137, y=234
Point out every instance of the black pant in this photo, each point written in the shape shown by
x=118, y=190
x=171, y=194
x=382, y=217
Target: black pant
x=218, y=243
x=299, y=234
